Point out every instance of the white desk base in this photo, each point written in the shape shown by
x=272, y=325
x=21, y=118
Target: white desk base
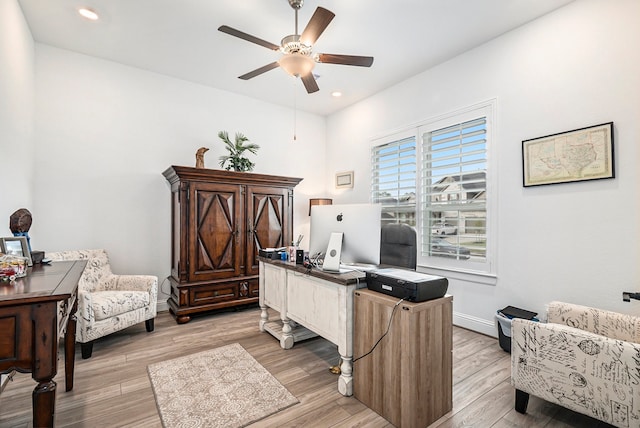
x=309, y=306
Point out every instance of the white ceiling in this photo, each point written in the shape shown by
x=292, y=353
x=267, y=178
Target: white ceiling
x=179, y=38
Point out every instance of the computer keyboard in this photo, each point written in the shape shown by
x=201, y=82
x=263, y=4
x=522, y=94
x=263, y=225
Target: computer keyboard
x=358, y=266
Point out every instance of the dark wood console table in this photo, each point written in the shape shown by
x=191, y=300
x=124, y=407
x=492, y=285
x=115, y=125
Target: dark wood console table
x=34, y=313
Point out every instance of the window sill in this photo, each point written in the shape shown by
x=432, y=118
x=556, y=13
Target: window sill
x=461, y=275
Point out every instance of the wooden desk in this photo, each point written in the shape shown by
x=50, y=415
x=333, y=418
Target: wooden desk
x=321, y=302
x=35, y=312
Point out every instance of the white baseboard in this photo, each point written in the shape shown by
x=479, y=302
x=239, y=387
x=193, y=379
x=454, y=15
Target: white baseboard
x=461, y=320
x=475, y=324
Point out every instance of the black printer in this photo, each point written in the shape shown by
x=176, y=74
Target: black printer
x=407, y=284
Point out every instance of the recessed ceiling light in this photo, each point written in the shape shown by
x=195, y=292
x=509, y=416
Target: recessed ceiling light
x=336, y=94
x=90, y=14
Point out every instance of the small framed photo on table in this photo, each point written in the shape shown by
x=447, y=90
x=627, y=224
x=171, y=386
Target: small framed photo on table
x=16, y=246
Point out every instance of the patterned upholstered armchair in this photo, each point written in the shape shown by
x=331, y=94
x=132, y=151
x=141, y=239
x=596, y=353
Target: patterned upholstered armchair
x=106, y=302
x=584, y=359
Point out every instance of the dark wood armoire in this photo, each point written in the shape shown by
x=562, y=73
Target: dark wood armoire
x=219, y=220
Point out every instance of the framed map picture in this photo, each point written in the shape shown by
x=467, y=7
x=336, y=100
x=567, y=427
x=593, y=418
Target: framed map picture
x=578, y=155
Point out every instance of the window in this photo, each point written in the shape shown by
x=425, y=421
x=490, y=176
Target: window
x=436, y=177
x=394, y=180
x=454, y=191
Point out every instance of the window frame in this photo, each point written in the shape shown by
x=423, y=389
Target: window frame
x=482, y=272
x=488, y=266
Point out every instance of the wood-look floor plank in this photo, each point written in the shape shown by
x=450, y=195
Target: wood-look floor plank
x=112, y=388
x=465, y=367
x=466, y=391
x=485, y=411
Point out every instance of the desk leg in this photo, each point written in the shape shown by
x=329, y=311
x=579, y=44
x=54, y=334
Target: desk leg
x=44, y=404
x=70, y=348
x=345, y=381
x=45, y=360
x=286, y=342
x=264, y=317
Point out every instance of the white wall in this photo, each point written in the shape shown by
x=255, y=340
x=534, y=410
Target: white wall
x=576, y=67
x=106, y=132
x=91, y=173
x=16, y=112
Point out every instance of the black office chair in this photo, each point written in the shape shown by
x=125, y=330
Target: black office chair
x=398, y=245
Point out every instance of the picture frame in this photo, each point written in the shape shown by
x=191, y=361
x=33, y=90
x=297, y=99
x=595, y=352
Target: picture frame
x=578, y=155
x=16, y=246
x=344, y=180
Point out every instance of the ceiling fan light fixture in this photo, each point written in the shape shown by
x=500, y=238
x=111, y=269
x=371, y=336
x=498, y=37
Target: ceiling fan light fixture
x=296, y=64
x=292, y=44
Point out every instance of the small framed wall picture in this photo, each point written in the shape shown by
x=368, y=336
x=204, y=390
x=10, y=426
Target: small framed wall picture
x=16, y=246
x=344, y=180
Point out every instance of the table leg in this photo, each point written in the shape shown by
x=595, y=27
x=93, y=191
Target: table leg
x=45, y=361
x=286, y=342
x=264, y=317
x=44, y=403
x=345, y=381
x=70, y=348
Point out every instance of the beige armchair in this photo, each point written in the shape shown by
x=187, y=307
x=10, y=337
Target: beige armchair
x=106, y=302
x=584, y=359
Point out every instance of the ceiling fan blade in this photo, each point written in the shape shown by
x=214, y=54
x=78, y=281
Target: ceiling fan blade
x=360, y=61
x=259, y=71
x=317, y=24
x=248, y=37
x=310, y=83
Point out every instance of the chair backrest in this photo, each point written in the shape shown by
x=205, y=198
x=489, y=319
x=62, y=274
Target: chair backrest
x=97, y=268
x=605, y=323
x=398, y=245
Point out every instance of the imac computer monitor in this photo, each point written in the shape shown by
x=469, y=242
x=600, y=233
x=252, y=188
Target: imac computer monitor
x=360, y=228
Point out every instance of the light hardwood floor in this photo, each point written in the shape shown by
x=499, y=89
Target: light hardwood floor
x=112, y=388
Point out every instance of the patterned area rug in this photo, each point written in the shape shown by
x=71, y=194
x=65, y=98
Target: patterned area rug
x=222, y=387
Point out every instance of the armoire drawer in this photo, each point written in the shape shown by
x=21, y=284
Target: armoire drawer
x=215, y=293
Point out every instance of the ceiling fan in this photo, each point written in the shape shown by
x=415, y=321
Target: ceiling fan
x=298, y=58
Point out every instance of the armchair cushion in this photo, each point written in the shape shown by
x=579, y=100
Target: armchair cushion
x=581, y=370
x=107, y=304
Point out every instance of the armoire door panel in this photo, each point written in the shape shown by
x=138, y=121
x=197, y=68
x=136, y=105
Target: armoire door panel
x=216, y=247
x=267, y=214
x=269, y=221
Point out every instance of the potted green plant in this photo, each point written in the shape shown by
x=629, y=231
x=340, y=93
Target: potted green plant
x=235, y=159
